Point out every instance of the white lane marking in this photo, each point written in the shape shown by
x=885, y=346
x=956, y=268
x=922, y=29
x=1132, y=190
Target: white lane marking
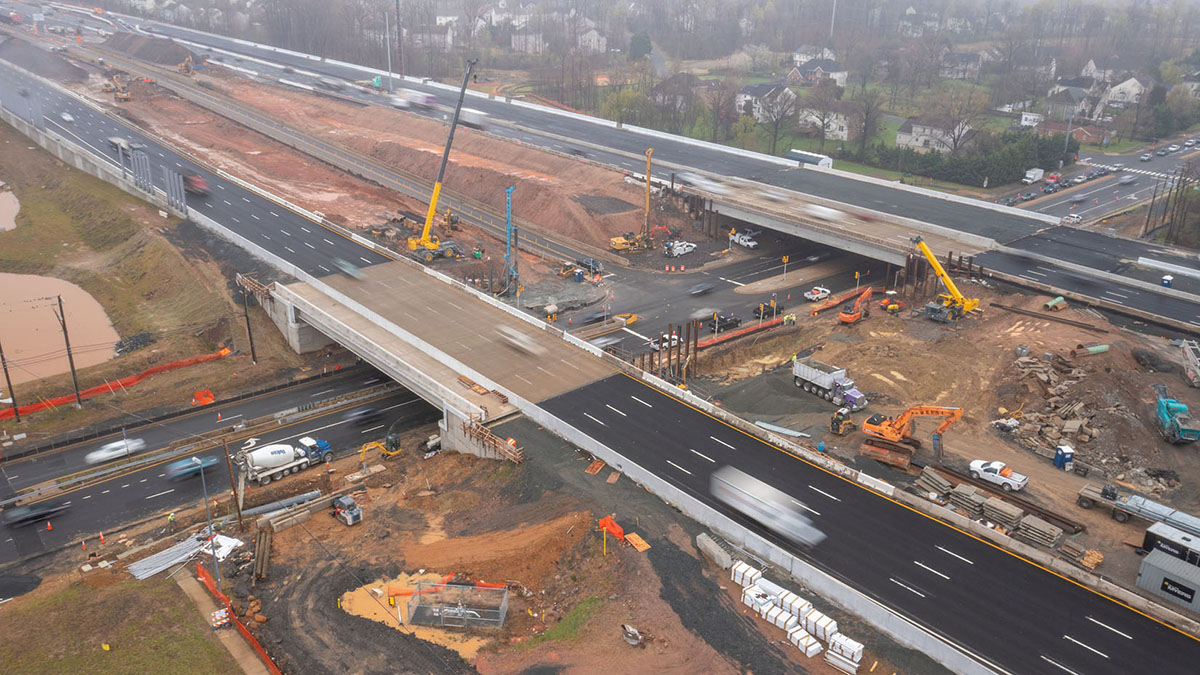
x=227, y=202
x=218, y=184
x=328, y=242
x=1056, y=663
x=319, y=393
x=906, y=587
x=1040, y=274
x=735, y=283
x=1085, y=646
x=679, y=467
x=369, y=262
x=88, y=497
x=310, y=246
x=722, y=442
x=159, y=494
x=704, y=456
x=143, y=480
x=285, y=232
x=125, y=486
x=236, y=220
x=245, y=200
x=927, y=567
x=455, y=306
x=273, y=213
x=106, y=492
x=523, y=380
x=1127, y=637
x=595, y=420
x=568, y=363
x=367, y=431
x=824, y=493
x=544, y=370
x=635, y=334
x=161, y=475
x=290, y=249
x=324, y=267
x=255, y=217
x=1027, y=278
x=401, y=405
x=949, y=552
x=641, y=401
x=615, y=410
x=231, y=417
x=306, y=229
x=1119, y=295
x=806, y=507
x=66, y=503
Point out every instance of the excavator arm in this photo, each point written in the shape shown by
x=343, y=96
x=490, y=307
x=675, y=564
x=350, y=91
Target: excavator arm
x=899, y=428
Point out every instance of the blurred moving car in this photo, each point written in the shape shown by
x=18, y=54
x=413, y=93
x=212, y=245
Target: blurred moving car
x=364, y=416
x=700, y=289
x=115, y=450
x=66, y=117
x=348, y=268
x=187, y=468
x=770, y=507
x=21, y=516
x=520, y=341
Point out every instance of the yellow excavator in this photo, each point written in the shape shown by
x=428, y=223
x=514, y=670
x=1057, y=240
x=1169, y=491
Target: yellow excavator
x=951, y=305
x=121, y=93
x=427, y=246
x=186, y=67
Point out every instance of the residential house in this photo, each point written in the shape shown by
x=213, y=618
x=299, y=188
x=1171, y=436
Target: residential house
x=1127, y=93
x=927, y=133
x=958, y=25
x=806, y=53
x=758, y=100
x=960, y=66
x=593, y=41
x=1087, y=134
x=528, y=43
x=440, y=38
x=1191, y=82
x=837, y=121
x=1085, y=84
x=1110, y=70
x=816, y=70
x=914, y=24
x=676, y=92
x=1066, y=104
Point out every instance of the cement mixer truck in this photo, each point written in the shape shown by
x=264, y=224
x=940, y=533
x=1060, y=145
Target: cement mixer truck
x=272, y=462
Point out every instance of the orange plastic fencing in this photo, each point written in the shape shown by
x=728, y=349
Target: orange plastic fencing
x=203, y=397
x=207, y=580
x=115, y=385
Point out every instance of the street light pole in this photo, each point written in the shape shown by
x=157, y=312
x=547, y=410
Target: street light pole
x=208, y=516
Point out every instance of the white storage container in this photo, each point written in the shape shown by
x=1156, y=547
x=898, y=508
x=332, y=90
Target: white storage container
x=781, y=618
x=804, y=642
x=848, y=648
x=793, y=603
x=754, y=598
x=743, y=574
x=841, y=663
x=820, y=625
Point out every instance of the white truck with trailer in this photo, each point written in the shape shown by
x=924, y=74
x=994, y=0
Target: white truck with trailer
x=272, y=462
x=764, y=504
x=828, y=382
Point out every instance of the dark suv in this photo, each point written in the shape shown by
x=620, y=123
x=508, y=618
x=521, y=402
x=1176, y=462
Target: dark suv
x=766, y=311
x=724, y=323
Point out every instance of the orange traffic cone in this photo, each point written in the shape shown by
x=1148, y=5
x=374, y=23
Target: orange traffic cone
x=48, y=526
x=101, y=538
x=84, y=543
x=218, y=417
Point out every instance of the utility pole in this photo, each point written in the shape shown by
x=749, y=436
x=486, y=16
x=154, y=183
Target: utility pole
x=832, y=17
x=400, y=38
x=62, y=320
x=1150, y=210
x=387, y=41
x=249, y=335
x=12, y=395
x=237, y=503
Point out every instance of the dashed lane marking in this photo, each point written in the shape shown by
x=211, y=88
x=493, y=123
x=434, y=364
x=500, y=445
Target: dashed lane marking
x=595, y=420
x=1085, y=646
x=1127, y=637
x=159, y=494
x=906, y=587
x=806, y=507
x=949, y=552
x=641, y=401
x=704, y=456
x=722, y=442
x=928, y=568
x=679, y=467
x=824, y=493
x=615, y=410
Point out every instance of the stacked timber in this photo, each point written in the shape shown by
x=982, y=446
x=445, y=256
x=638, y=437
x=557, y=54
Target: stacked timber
x=1034, y=530
x=964, y=497
x=999, y=511
x=932, y=481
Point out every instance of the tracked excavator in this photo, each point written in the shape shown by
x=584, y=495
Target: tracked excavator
x=894, y=435
x=861, y=309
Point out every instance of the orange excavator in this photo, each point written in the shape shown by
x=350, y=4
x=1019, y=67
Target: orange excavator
x=895, y=434
x=861, y=309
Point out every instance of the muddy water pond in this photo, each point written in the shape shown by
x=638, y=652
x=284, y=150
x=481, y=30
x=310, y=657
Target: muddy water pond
x=32, y=336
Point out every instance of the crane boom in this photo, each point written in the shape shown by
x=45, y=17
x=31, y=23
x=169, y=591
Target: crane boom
x=425, y=241
x=955, y=304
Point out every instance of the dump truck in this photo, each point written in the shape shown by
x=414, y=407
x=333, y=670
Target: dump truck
x=828, y=382
x=273, y=462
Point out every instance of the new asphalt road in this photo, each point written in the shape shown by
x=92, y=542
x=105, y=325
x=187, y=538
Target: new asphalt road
x=1013, y=614
x=127, y=496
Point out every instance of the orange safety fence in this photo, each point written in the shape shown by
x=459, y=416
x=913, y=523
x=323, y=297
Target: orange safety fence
x=738, y=332
x=553, y=104
x=479, y=583
x=207, y=580
x=116, y=385
x=203, y=397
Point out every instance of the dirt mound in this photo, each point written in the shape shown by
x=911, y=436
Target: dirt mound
x=39, y=61
x=146, y=48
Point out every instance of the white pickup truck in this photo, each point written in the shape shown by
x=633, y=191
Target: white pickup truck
x=998, y=473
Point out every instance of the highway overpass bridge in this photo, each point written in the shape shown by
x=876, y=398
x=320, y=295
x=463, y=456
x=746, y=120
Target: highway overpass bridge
x=428, y=331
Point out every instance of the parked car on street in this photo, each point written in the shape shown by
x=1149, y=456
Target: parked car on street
x=1006, y=201
x=1080, y=179
x=766, y=311
x=1028, y=196
x=1173, y=148
x=1189, y=142
x=1051, y=188
x=664, y=340
x=1072, y=219
x=1162, y=152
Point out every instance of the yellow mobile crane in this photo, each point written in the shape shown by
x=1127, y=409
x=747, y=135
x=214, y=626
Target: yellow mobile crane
x=427, y=247
x=949, y=306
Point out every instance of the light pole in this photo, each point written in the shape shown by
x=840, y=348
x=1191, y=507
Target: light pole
x=211, y=538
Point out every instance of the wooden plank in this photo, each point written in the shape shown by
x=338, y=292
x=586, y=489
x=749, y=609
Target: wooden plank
x=594, y=467
x=637, y=542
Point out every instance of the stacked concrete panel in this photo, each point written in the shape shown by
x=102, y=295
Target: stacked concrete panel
x=1034, y=530
x=1000, y=511
x=932, y=481
x=964, y=497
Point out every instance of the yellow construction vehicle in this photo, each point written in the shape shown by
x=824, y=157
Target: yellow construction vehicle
x=626, y=242
x=427, y=247
x=107, y=87
x=949, y=306
x=841, y=424
x=186, y=66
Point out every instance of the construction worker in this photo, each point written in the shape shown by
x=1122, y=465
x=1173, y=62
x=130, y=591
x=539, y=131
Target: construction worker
x=171, y=520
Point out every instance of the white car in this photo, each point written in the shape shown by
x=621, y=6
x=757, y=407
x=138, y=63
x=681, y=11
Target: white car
x=520, y=341
x=115, y=450
x=1173, y=148
x=670, y=341
x=816, y=294
x=745, y=239
x=66, y=117
x=1072, y=219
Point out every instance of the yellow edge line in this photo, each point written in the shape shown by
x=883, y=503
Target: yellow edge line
x=926, y=515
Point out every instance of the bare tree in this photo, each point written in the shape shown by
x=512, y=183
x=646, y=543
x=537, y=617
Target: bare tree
x=957, y=109
x=821, y=104
x=778, y=108
x=868, y=115
x=720, y=97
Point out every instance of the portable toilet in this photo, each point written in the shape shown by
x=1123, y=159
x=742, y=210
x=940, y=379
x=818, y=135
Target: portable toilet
x=1167, y=279
x=1064, y=457
x=579, y=276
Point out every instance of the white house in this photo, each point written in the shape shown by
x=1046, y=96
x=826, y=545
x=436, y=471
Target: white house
x=806, y=53
x=1191, y=82
x=837, y=121
x=593, y=41
x=758, y=100
x=925, y=133
x=1109, y=70
x=816, y=70
x=1127, y=93
x=528, y=43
